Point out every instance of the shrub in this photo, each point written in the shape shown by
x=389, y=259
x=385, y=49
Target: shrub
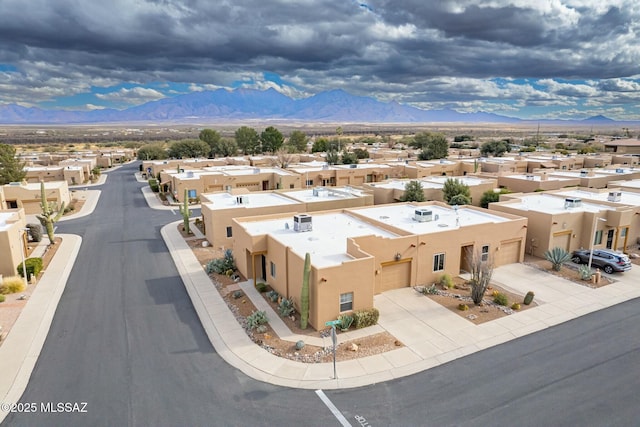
x=585, y=272
x=346, y=320
x=273, y=296
x=222, y=265
x=237, y=294
x=463, y=307
x=515, y=306
x=256, y=319
x=12, y=285
x=153, y=183
x=33, y=267
x=364, y=318
x=35, y=230
x=557, y=256
x=261, y=329
x=286, y=308
x=299, y=345
x=500, y=299
x=261, y=287
x=446, y=281
x=2, y=297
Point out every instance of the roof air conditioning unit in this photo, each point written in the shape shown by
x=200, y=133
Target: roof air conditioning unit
x=353, y=166
x=256, y=170
x=302, y=222
x=242, y=200
x=584, y=173
x=423, y=215
x=190, y=174
x=529, y=177
x=614, y=196
x=572, y=202
x=619, y=170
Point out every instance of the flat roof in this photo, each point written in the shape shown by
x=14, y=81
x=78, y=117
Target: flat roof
x=4, y=217
x=633, y=183
x=363, y=166
x=531, y=177
x=36, y=185
x=577, y=174
x=327, y=242
x=399, y=184
x=551, y=204
x=626, y=198
x=308, y=195
x=220, y=201
x=444, y=217
x=466, y=180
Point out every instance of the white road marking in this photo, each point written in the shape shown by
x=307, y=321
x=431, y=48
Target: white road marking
x=336, y=413
x=173, y=211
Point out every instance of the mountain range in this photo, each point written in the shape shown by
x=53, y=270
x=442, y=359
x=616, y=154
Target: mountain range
x=242, y=104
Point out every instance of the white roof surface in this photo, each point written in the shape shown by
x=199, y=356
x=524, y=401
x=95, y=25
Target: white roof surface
x=627, y=197
x=399, y=184
x=530, y=177
x=327, y=242
x=634, y=183
x=550, y=204
x=220, y=201
x=324, y=193
x=402, y=216
x=4, y=217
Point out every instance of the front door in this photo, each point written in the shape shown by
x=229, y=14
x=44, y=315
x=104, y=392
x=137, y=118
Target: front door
x=610, y=234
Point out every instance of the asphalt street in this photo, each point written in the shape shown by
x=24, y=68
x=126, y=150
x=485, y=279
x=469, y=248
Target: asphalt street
x=126, y=340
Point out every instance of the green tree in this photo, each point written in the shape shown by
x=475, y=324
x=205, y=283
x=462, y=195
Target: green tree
x=413, y=192
x=456, y=192
x=211, y=137
x=361, y=153
x=433, y=145
x=247, y=139
x=491, y=196
x=494, y=148
x=11, y=169
x=297, y=142
x=271, y=140
x=348, y=158
x=320, y=145
x=152, y=152
x=226, y=147
x=333, y=157
x=189, y=149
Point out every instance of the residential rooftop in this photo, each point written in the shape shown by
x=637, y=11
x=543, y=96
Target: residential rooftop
x=320, y=194
x=444, y=218
x=327, y=242
x=6, y=220
x=626, y=197
x=220, y=201
x=551, y=204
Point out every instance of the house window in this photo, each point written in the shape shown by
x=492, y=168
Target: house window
x=598, y=238
x=291, y=186
x=346, y=301
x=485, y=253
x=273, y=269
x=309, y=182
x=623, y=232
x=229, y=232
x=438, y=262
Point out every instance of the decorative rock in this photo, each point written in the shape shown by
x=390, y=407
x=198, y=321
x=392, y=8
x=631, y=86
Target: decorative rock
x=353, y=347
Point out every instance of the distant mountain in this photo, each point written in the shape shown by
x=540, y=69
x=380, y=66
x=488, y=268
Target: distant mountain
x=240, y=104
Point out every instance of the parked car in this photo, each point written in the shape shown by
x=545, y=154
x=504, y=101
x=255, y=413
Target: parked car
x=605, y=259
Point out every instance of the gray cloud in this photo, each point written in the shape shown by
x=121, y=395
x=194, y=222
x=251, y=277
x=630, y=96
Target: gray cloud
x=424, y=52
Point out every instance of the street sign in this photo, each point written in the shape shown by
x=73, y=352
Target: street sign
x=332, y=323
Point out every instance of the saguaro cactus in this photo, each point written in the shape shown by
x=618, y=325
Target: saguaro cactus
x=186, y=213
x=304, y=294
x=50, y=214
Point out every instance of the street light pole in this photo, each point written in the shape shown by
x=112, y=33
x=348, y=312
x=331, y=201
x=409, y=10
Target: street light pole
x=593, y=239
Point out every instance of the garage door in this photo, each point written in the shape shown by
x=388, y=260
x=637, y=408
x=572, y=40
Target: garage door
x=509, y=253
x=394, y=276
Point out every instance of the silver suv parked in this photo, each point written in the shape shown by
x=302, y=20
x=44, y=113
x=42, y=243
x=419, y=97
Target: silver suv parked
x=606, y=259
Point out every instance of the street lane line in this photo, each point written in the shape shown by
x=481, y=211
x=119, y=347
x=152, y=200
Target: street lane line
x=336, y=413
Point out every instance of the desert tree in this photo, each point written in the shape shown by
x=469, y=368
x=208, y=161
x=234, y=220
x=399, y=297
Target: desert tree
x=413, y=192
x=297, y=142
x=271, y=139
x=282, y=158
x=481, y=266
x=455, y=192
x=211, y=137
x=433, y=145
x=11, y=168
x=247, y=139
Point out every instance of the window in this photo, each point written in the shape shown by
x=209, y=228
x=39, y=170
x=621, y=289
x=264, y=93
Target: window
x=273, y=269
x=623, y=232
x=598, y=238
x=192, y=194
x=485, y=253
x=438, y=262
x=291, y=186
x=309, y=182
x=346, y=301
x=229, y=232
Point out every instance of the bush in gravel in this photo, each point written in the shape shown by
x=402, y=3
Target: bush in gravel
x=12, y=285
x=256, y=319
x=299, y=345
x=222, y=265
x=346, y=320
x=500, y=299
x=237, y=294
x=261, y=287
x=364, y=318
x=273, y=296
x=286, y=308
x=2, y=297
x=446, y=281
x=35, y=230
x=585, y=272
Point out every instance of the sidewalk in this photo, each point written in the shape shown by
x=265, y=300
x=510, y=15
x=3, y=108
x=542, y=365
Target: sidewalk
x=432, y=335
x=20, y=350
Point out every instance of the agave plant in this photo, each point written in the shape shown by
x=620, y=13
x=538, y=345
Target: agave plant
x=557, y=256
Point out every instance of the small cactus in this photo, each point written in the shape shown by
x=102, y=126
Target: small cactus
x=515, y=306
x=463, y=307
x=299, y=345
x=528, y=298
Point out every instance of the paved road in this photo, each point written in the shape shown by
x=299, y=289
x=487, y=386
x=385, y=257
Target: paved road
x=126, y=340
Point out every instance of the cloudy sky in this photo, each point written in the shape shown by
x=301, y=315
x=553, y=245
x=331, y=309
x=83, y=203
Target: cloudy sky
x=521, y=58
